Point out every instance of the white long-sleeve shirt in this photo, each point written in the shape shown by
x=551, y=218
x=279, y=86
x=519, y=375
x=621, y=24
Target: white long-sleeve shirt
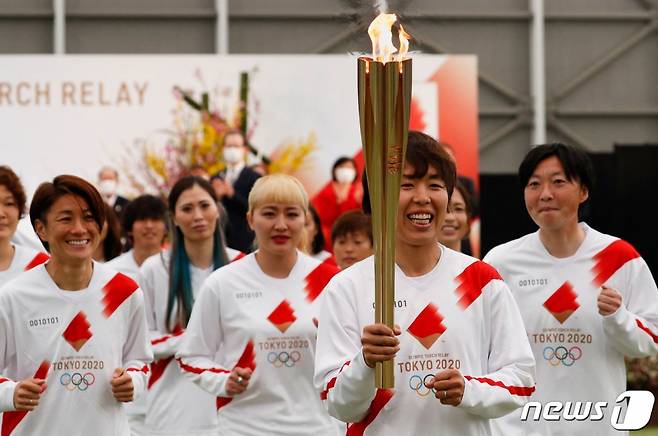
x=175, y=405
x=460, y=315
x=579, y=353
x=75, y=340
x=245, y=318
x=25, y=258
x=126, y=264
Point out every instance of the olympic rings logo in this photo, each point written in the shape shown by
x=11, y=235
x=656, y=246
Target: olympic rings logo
x=284, y=358
x=417, y=384
x=77, y=381
x=560, y=355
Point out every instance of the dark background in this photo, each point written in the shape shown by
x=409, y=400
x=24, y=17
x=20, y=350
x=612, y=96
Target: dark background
x=622, y=204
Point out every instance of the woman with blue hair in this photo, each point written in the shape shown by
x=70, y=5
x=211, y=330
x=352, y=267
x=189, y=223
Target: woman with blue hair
x=171, y=281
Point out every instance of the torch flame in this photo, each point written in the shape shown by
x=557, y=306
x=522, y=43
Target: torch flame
x=382, y=39
x=404, y=38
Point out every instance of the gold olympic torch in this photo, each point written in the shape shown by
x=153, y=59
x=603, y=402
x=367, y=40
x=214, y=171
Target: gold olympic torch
x=384, y=100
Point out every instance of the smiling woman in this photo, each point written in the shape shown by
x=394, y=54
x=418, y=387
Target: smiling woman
x=568, y=277
x=79, y=314
x=14, y=258
x=456, y=226
x=172, y=281
x=255, y=350
x=68, y=215
x=485, y=366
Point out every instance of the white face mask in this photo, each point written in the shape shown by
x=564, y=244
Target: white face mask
x=345, y=175
x=233, y=155
x=108, y=187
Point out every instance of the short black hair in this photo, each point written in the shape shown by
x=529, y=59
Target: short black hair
x=318, y=242
x=49, y=192
x=576, y=162
x=143, y=207
x=112, y=245
x=423, y=152
x=351, y=222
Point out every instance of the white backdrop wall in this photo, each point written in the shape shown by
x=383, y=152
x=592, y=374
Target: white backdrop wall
x=75, y=114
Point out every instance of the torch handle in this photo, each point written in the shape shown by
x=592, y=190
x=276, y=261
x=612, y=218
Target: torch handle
x=384, y=100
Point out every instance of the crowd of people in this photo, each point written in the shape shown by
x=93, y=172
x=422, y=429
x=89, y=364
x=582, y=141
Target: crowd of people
x=240, y=306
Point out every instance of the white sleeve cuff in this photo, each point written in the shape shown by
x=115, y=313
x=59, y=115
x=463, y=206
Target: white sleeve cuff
x=7, y=389
x=619, y=317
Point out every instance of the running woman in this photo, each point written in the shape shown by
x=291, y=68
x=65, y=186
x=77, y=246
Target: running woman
x=144, y=222
x=171, y=281
x=461, y=355
x=14, y=258
x=587, y=299
x=73, y=335
x=251, y=340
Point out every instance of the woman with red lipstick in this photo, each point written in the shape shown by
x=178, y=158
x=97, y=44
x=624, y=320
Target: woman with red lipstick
x=171, y=281
x=587, y=299
x=251, y=340
x=73, y=335
x=455, y=227
x=460, y=353
x=14, y=258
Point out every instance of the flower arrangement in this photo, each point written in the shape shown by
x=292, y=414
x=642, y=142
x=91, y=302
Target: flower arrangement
x=195, y=143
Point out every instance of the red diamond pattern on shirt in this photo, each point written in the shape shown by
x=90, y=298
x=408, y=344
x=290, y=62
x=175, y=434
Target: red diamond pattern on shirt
x=428, y=326
x=610, y=259
x=116, y=291
x=472, y=281
x=318, y=279
x=37, y=260
x=562, y=304
x=283, y=316
x=78, y=333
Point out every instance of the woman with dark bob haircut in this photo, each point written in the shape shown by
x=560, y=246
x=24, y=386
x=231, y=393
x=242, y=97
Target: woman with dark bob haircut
x=587, y=299
x=144, y=222
x=14, y=258
x=458, y=347
x=171, y=281
x=72, y=325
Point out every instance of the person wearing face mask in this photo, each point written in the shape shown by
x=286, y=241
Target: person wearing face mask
x=341, y=195
x=232, y=186
x=108, y=184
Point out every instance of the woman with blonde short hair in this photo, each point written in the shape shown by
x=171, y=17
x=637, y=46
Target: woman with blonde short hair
x=251, y=338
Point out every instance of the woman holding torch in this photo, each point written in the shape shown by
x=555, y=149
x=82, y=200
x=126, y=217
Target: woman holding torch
x=73, y=335
x=251, y=339
x=461, y=354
